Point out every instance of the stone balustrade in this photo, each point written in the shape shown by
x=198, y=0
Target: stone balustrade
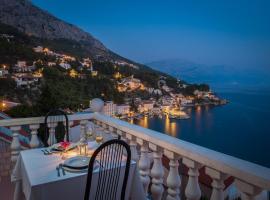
x=150, y=147
x=249, y=178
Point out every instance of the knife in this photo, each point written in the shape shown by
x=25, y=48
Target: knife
x=63, y=170
x=58, y=171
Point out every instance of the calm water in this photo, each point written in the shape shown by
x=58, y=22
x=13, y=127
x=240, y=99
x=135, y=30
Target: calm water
x=240, y=128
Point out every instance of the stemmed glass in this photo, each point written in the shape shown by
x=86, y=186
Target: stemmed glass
x=99, y=137
x=90, y=133
x=65, y=146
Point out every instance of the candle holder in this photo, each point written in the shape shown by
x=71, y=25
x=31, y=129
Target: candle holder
x=83, y=148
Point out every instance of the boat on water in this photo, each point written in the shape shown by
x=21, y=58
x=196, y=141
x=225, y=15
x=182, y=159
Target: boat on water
x=179, y=117
x=177, y=113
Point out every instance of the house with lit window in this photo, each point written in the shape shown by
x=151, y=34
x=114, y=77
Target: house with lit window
x=109, y=108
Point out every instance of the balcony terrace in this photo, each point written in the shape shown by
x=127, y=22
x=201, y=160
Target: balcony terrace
x=169, y=168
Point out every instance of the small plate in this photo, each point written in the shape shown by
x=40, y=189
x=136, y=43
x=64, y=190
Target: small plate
x=75, y=170
x=77, y=162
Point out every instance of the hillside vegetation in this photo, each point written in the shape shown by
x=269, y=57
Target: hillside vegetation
x=57, y=89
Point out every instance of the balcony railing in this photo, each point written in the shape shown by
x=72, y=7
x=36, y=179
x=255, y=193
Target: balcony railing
x=149, y=147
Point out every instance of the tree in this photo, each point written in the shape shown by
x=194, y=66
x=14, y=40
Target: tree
x=22, y=111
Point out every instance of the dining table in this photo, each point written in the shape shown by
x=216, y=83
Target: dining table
x=36, y=178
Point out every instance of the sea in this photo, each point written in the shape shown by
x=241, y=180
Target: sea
x=240, y=128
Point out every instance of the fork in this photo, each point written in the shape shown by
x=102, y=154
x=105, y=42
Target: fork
x=63, y=170
x=46, y=152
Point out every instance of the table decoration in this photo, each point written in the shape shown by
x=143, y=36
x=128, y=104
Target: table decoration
x=90, y=133
x=99, y=137
x=83, y=148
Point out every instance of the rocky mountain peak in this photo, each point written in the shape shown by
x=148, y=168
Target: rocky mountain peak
x=34, y=21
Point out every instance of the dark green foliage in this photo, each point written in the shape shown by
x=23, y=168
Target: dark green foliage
x=106, y=68
x=19, y=47
x=22, y=111
x=191, y=88
x=61, y=91
x=65, y=46
x=7, y=87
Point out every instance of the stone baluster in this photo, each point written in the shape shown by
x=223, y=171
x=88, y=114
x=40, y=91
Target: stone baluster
x=96, y=122
x=217, y=183
x=144, y=164
x=107, y=129
x=119, y=133
x=15, y=144
x=115, y=133
x=133, y=147
x=99, y=124
x=193, y=191
x=70, y=124
x=34, y=142
x=104, y=126
x=51, y=139
x=157, y=173
x=122, y=135
x=112, y=131
x=173, y=179
x=249, y=191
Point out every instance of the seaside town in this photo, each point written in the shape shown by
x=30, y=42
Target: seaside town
x=160, y=101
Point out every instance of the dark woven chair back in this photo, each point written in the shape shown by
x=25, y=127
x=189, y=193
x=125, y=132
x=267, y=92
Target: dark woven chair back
x=110, y=180
x=59, y=118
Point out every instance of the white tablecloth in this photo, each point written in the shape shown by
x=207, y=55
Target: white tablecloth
x=37, y=178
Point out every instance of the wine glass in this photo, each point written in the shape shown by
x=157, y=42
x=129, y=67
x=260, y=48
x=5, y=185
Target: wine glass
x=99, y=137
x=89, y=133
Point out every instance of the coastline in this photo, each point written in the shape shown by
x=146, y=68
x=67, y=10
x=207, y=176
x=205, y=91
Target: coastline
x=233, y=129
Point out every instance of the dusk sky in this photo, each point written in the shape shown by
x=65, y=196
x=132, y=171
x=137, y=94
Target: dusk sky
x=207, y=32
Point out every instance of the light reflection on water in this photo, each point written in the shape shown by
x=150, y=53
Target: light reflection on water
x=235, y=129
x=169, y=126
x=173, y=126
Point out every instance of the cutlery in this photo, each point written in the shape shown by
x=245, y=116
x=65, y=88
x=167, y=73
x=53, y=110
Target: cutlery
x=63, y=170
x=44, y=152
x=48, y=152
x=58, y=171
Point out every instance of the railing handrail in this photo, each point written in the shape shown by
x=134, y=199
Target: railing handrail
x=241, y=169
x=40, y=120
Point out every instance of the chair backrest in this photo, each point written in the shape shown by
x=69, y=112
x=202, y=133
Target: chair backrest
x=113, y=158
x=58, y=117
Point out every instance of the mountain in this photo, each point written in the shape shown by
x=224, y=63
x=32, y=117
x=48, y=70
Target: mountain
x=219, y=77
x=31, y=20
x=51, y=31
x=188, y=70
